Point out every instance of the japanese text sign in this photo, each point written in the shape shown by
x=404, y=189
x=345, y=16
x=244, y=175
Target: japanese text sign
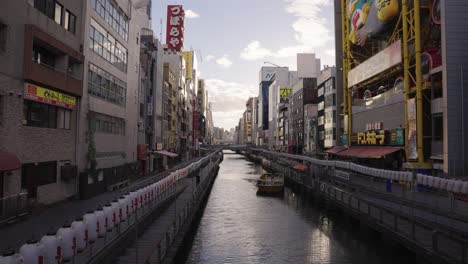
x=44, y=95
x=175, y=27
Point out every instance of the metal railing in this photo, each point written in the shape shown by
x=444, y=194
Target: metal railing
x=13, y=207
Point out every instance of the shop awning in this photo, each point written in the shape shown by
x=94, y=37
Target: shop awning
x=368, y=152
x=9, y=161
x=166, y=153
x=335, y=150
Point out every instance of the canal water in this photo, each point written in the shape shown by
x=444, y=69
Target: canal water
x=238, y=226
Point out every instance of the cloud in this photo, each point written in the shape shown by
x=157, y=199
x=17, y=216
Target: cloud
x=255, y=51
x=191, y=14
x=228, y=100
x=209, y=57
x=224, y=61
x=311, y=32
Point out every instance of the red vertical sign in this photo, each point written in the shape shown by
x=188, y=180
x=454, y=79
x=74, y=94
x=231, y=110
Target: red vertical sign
x=175, y=27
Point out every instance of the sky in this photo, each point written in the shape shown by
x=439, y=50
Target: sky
x=233, y=39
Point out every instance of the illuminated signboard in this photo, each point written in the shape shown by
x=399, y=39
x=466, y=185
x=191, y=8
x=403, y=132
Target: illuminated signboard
x=44, y=95
x=395, y=137
x=175, y=27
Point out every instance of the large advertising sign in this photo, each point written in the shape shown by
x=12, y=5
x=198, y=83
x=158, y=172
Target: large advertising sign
x=175, y=27
x=188, y=57
x=284, y=94
x=44, y=95
x=382, y=61
x=369, y=18
x=413, y=152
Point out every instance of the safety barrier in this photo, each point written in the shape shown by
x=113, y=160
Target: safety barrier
x=85, y=239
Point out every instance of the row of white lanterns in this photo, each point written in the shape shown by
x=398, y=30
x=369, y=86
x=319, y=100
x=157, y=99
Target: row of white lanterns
x=72, y=239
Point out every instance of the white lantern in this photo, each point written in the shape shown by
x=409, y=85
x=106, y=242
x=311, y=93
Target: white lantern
x=32, y=252
x=10, y=257
x=79, y=230
x=52, y=248
x=101, y=222
x=92, y=227
x=108, y=212
x=68, y=242
x=116, y=212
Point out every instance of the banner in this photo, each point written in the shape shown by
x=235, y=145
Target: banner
x=412, y=147
x=44, y=95
x=175, y=27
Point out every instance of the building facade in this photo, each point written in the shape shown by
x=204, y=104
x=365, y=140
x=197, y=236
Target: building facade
x=41, y=91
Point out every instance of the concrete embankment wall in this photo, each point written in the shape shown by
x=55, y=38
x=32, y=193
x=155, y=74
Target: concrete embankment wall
x=395, y=215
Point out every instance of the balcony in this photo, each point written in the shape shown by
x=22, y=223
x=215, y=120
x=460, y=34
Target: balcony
x=52, y=63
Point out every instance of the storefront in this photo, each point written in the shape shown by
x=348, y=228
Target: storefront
x=375, y=147
x=48, y=172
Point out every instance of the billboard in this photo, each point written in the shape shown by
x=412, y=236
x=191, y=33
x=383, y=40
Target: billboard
x=188, y=57
x=380, y=62
x=369, y=18
x=175, y=27
x=284, y=94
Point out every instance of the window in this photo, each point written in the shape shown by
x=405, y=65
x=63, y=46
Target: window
x=437, y=91
x=113, y=15
x=71, y=23
x=47, y=7
x=107, y=46
x=437, y=127
x=58, y=13
x=63, y=118
x=43, y=56
x=104, y=85
x=3, y=36
x=102, y=123
x=37, y=174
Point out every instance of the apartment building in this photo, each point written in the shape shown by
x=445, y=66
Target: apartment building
x=41, y=91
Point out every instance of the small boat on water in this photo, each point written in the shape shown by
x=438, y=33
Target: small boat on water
x=270, y=184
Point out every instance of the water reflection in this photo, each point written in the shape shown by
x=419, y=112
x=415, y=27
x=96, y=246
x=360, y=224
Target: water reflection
x=240, y=227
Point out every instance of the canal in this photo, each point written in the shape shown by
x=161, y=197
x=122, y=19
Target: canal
x=238, y=226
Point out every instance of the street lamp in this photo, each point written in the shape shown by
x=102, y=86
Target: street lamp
x=276, y=65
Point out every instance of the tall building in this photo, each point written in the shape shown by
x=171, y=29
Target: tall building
x=109, y=127
x=248, y=120
x=170, y=106
x=201, y=111
x=403, y=86
x=151, y=99
x=177, y=64
x=271, y=79
x=328, y=109
x=41, y=94
x=304, y=92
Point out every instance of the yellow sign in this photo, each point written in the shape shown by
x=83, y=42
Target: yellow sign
x=188, y=57
x=285, y=92
x=44, y=95
x=371, y=138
